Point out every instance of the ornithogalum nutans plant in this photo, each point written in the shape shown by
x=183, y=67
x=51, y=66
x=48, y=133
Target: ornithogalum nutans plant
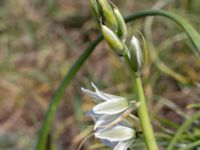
x=114, y=31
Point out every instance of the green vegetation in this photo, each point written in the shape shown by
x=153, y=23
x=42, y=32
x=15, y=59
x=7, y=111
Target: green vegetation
x=39, y=42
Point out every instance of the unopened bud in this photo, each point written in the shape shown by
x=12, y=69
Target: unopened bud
x=136, y=53
x=122, y=30
x=113, y=40
x=108, y=14
x=95, y=8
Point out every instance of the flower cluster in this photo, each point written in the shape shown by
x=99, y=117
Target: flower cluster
x=109, y=115
x=114, y=31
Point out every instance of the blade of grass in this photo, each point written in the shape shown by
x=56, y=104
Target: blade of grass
x=182, y=129
x=60, y=92
x=192, y=145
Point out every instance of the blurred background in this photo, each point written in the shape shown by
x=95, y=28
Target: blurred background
x=40, y=40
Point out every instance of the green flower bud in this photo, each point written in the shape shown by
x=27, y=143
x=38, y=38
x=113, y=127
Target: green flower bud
x=108, y=14
x=95, y=8
x=113, y=40
x=122, y=30
x=136, y=54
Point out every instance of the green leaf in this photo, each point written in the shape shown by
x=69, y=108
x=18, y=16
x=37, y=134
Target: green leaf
x=192, y=34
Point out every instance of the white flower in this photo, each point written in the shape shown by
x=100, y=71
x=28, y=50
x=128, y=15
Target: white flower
x=109, y=109
x=109, y=115
x=119, y=137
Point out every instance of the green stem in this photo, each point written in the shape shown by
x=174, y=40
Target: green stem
x=144, y=116
x=182, y=129
x=60, y=92
x=75, y=67
x=142, y=111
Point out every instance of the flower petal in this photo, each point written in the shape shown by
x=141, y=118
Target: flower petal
x=123, y=145
x=109, y=143
x=111, y=107
x=117, y=133
x=103, y=95
x=95, y=117
x=92, y=94
x=98, y=95
x=105, y=120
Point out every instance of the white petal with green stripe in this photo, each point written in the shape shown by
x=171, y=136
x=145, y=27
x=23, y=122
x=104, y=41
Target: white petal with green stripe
x=116, y=134
x=100, y=96
x=111, y=107
x=105, y=120
x=124, y=145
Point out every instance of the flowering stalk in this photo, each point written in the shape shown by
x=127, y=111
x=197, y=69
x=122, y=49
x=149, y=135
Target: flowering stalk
x=139, y=57
x=144, y=117
x=142, y=110
x=114, y=31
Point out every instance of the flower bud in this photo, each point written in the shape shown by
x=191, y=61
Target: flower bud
x=108, y=15
x=113, y=40
x=95, y=8
x=136, y=53
x=122, y=30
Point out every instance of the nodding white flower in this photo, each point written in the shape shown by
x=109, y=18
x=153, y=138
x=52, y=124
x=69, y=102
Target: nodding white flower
x=109, y=115
x=118, y=137
x=108, y=104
